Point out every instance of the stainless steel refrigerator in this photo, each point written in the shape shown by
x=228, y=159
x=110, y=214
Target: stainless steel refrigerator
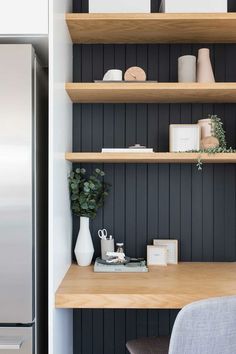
x=23, y=201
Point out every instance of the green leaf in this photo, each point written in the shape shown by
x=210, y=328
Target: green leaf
x=87, y=193
x=84, y=206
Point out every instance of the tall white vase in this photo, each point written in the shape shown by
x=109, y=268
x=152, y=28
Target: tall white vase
x=84, y=249
x=204, y=68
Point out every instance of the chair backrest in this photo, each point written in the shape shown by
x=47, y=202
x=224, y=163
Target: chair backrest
x=205, y=327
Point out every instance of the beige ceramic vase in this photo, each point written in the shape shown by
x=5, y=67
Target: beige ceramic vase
x=204, y=69
x=206, y=128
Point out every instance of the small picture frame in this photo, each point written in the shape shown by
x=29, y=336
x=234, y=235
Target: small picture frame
x=172, y=249
x=156, y=255
x=184, y=137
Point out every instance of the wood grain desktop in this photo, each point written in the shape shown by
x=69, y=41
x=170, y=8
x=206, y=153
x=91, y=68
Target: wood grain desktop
x=170, y=287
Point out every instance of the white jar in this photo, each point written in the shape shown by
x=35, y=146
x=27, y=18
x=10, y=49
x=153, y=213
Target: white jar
x=187, y=68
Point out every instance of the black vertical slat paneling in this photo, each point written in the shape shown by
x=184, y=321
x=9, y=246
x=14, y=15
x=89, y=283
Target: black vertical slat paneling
x=208, y=199
x=229, y=232
x=77, y=62
x=197, y=202
x=130, y=191
x=84, y=5
x=97, y=133
x=231, y=5
x=219, y=213
x=164, y=75
x=119, y=177
x=108, y=141
x=175, y=117
x=77, y=330
x=77, y=146
x=149, y=201
x=97, y=337
x=152, y=141
x=120, y=332
x=164, y=323
x=142, y=326
x=77, y=6
x=119, y=182
x=152, y=323
x=207, y=213
x=87, y=332
x=186, y=194
x=152, y=178
x=108, y=332
x=130, y=324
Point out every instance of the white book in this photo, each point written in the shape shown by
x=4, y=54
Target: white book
x=127, y=150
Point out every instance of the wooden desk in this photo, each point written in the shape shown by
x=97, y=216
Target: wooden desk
x=170, y=287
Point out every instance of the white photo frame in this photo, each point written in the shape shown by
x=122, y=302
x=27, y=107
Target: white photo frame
x=156, y=255
x=172, y=249
x=184, y=137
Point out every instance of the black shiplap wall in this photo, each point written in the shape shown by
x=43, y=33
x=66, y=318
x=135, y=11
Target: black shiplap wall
x=147, y=201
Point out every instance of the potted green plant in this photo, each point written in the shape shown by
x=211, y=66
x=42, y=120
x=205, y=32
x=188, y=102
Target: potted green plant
x=87, y=196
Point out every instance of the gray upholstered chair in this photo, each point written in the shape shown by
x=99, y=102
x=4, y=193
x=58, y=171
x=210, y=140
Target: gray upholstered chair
x=203, y=327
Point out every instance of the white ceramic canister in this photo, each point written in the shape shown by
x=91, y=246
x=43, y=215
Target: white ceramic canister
x=187, y=66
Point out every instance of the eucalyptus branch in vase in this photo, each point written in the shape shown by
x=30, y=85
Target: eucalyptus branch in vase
x=87, y=195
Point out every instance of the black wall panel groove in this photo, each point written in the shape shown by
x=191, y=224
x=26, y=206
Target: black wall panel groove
x=148, y=201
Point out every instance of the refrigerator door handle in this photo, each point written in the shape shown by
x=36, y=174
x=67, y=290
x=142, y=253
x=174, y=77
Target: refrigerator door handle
x=7, y=343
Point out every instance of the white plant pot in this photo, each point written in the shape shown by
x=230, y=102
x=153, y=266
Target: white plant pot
x=84, y=249
x=194, y=6
x=121, y=6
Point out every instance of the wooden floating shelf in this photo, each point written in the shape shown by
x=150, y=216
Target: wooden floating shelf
x=158, y=157
x=170, y=287
x=151, y=92
x=152, y=28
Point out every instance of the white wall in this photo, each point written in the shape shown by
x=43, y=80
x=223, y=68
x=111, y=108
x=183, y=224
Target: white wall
x=23, y=17
x=60, y=141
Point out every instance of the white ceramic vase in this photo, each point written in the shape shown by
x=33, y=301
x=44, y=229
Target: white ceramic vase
x=204, y=68
x=84, y=249
x=187, y=68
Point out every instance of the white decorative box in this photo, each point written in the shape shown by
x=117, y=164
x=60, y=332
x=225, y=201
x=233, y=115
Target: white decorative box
x=184, y=137
x=119, y=6
x=194, y=6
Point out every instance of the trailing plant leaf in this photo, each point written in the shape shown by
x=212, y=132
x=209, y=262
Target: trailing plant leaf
x=219, y=133
x=87, y=193
x=218, y=130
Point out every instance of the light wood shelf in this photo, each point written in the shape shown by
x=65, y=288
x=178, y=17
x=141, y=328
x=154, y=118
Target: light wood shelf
x=151, y=92
x=152, y=28
x=170, y=287
x=161, y=157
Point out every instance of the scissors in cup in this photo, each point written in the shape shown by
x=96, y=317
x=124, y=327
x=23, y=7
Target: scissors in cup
x=102, y=234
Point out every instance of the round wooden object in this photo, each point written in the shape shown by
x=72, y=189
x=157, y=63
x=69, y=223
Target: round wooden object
x=135, y=74
x=209, y=142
